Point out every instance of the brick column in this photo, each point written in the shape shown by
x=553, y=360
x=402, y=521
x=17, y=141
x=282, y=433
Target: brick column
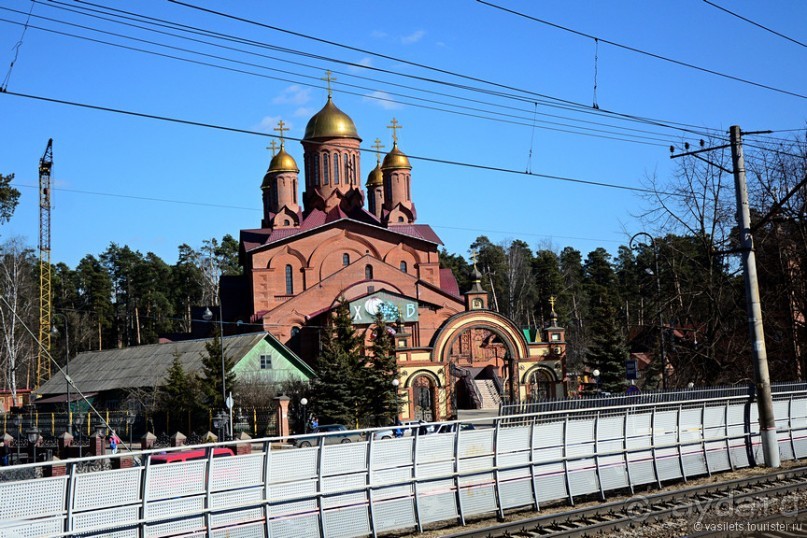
x=65, y=445
x=282, y=402
x=245, y=448
x=97, y=444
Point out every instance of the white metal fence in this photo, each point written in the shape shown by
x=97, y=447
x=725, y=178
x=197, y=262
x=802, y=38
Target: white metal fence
x=377, y=486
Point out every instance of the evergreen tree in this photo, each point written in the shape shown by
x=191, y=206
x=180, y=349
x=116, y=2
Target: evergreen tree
x=380, y=369
x=178, y=395
x=210, y=380
x=9, y=198
x=334, y=390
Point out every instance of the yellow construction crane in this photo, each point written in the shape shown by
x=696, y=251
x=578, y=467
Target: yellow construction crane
x=43, y=370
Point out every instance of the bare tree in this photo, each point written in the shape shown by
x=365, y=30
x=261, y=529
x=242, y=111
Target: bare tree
x=17, y=309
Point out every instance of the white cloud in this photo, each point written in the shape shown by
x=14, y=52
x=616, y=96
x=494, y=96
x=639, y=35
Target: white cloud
x=268, y=124
x=366, y=62
x=413, y=37
x=378, y=34
x=383, y=100
x=293, y=95
x=303, y=112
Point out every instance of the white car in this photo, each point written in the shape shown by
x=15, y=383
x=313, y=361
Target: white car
x=407, y=429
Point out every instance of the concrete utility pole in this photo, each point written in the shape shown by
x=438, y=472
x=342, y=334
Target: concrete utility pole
x=767, y=422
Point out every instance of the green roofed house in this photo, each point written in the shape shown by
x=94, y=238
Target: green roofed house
x=106, y=376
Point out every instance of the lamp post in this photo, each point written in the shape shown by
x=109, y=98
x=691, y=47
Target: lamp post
x=33, y=438
x=79, y=424
x=220, y=422
x=395, y=384
x=303, y=403
x=596, y=374
x=130, y=420
x=208, y=315
x=658, y=299
x=17, y=420
x=55, y=332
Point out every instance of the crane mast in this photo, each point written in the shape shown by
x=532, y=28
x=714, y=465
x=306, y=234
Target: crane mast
x=43, y=370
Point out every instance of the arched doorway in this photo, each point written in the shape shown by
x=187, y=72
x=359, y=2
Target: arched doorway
x=540, y=384
x=424, y=398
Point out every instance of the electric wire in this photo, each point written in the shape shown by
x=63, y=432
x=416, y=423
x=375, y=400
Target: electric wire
x=197, y=31
x=17, y=47
x=498, y=118
x=640, y=51
x=749, y=21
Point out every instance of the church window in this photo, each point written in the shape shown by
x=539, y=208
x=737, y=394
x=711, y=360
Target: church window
x=326, y=167
x=408, y=189
x=345, y=259
x=315, y=179
x=403, y=267
x=286, y=222
x=289, y=281
x=346, y=162
x=368, y=272
x=266, y=362
x=353, y=171
x=400, y=219
x=294, y=186
x=336, y=169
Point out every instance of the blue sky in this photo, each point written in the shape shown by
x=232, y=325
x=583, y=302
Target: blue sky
x=154, y=185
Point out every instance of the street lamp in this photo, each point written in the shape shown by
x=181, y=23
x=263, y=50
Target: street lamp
x=596, y=374
x=17, y=420
x=395, y=384
x=303, y=403
x=660, y=311
x=208, y=315
x=55, y=332
x=130, y=420
x=79, y=424
x=33, y=438
x=220, y=422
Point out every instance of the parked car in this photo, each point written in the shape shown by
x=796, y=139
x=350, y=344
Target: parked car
x=407, y=429
x=189, y=455
x=450, y=427
x=338, y=434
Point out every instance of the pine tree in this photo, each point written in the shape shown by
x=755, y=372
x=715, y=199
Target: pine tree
x=178, y=395
x=377, y=391
x=334, y=390
x=210, y=379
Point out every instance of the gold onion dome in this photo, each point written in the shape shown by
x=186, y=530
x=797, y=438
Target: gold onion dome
x=330, y=122
x=375, y=178
x=282, y=162
x=396, y=159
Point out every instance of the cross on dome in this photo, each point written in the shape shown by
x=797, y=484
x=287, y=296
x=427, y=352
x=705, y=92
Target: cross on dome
x=273, y=146
x=281, y=126
x=328, y=78
x=394, y=126
x=378, y=146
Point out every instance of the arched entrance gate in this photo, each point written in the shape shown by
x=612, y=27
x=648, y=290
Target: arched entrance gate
x=495, y=347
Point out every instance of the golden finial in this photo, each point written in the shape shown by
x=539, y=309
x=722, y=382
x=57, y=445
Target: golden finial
x=281, y=126
x=378, y=146
x=328, y=78
x=552, y=303
x=273, y=146
x=395, y=126
x=474, y=256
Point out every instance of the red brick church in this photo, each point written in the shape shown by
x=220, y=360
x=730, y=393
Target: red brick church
x=310, y=250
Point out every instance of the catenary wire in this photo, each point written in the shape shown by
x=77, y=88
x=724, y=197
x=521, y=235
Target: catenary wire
x=749, y=21
x=643, y=52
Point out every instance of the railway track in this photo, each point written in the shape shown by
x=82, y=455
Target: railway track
x=710, y=510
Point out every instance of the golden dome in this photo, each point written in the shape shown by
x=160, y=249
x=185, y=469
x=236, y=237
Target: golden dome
x=330, y=122
x=396, y=159
x=375, y=178
x=282, y=162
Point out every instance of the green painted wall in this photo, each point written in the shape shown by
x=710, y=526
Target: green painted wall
x=284, y=368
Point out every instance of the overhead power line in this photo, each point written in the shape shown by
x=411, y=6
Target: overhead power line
x=643, y=52
x=366, y=150
x=749, y=21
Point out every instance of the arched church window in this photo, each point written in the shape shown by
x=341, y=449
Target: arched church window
x=294, y=187
x=368, y=272
x=315, y=179
x=400, y=219
x=289, y=281
x=403, y=267
x=353, y=172
x=346, y=164
x=345, y=259
x=326, y=168
x=336, y=169
x=408, y=188
x=286, y=222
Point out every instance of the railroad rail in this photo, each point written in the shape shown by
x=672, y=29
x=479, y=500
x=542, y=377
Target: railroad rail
x=692, y=503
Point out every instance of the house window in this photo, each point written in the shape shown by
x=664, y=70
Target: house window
x=266, y=362
x=403, y=267
x=289, y=281
x=345, y=259
x=368, y=272
x=555, y=337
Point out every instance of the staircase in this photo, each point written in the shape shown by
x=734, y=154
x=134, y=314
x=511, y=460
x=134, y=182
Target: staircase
x=487, y=389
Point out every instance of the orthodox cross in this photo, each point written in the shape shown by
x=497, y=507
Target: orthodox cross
x=474, y=256
x=281, y=126
x=378, y=146
x=395, y=126
x=328, y=78
x=552, y=303
x=273, y=146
